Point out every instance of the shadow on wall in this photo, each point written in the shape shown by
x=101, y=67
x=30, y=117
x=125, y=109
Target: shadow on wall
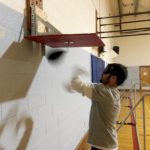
x=17, y=69
x=28, y=123
x=24, y=121
x=19, y=63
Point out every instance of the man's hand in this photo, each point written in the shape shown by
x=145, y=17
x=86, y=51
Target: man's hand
x=68, y=87
x=79, y=71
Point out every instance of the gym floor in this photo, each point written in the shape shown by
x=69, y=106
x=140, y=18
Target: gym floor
x=127, y=135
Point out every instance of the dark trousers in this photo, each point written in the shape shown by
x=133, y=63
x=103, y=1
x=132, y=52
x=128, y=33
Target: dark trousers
x=93, y=148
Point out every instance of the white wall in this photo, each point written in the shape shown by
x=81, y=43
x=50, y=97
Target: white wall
x=73, y=16
x=69, y=112
x=36, y=112
x=134, y=51
x=133, y=80
x=104, y=11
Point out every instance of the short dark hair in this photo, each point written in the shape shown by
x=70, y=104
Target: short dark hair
x=118, y=70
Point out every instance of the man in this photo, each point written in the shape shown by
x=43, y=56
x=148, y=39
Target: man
x=105, y=106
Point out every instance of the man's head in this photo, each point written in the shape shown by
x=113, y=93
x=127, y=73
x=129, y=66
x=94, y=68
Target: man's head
x=114, y=75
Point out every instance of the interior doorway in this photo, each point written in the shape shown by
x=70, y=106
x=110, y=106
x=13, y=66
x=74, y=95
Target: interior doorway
x=145, y=77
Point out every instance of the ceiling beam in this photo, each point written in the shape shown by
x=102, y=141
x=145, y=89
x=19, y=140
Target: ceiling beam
x=127, y=14
x=116, y=36
x=125, y=22
x=128, y=30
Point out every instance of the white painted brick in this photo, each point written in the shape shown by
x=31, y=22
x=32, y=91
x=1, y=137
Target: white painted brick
x=10, y=18
x=19, y=5
x=34, y=114
x=37, y=99
x=7, y=40
x=8, y=132
x=34, y=89
x=11, y=108
x=10, y=26
x=47, y=143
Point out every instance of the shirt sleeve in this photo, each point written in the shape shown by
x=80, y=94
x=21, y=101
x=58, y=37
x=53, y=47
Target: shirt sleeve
x=89, y=90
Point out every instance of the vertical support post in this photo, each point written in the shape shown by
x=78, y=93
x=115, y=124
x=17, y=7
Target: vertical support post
x=144, y=124
x=96, y=20
x=29, y=4
x=33, y=21
x=120, y=13
x=134, y=100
